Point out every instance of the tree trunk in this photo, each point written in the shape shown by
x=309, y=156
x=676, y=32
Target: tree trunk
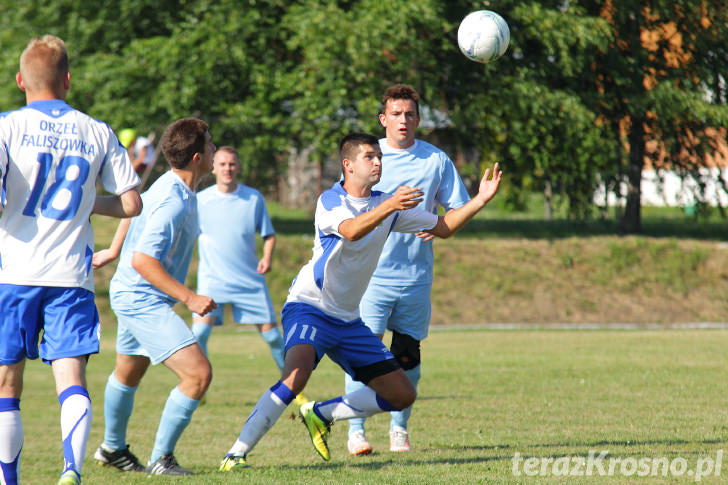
x=631, y=222
x=548, y=207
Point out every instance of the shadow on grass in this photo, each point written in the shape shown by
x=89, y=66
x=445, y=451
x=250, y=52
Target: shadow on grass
x=557, y=228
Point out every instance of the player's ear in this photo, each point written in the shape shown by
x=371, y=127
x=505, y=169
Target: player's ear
x=67, y=81
x=19, y=80
x=383, y=120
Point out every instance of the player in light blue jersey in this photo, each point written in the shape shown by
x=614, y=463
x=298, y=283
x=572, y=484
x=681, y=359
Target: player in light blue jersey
x=149, y=280
x=321, y=314
x=231, y=214
x=398, y=297
x=51, y=157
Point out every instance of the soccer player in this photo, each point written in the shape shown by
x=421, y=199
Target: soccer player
x=51, y=157
x=155, y=256
x=398, y=296
x=229, y=271
x=321, y=314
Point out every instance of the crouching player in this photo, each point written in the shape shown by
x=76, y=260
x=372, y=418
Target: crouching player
x=321, y=314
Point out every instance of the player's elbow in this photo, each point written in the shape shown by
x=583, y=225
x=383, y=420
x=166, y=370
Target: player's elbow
x=131, y=203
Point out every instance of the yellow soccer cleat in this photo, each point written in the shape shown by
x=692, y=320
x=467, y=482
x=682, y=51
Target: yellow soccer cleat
x=317, y=429
x=300, y=400
x=233, y=463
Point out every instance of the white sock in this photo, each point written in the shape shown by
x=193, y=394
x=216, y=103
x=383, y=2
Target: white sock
x=361, y=403
x=75, y=425
x=266, y=412
x=11, y=440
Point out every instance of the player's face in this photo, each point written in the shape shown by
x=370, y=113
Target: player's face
x=400, y=121
x=226, y=168
x=367, y=166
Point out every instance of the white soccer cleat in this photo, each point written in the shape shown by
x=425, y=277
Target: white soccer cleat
x=398, y=439
x=358, y=444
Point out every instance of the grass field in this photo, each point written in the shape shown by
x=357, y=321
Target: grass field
x=484, y=396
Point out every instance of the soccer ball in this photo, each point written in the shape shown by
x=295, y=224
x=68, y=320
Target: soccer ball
x=483, y=36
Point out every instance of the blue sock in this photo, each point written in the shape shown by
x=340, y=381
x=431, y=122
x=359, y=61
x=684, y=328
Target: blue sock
x=350, y=385
x=118, y=404
x=400, y=418
x=201, y=331
x=274, y=339
x=175, y=418
x=11, y=440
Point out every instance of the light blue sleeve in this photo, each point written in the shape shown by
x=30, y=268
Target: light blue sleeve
x=263, y=223
x=451, y=194
x=160, y=228
x=414, y=220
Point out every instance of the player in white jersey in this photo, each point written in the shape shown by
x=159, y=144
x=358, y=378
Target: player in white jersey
x=398, y=296
x=51, y=157
x=231, y=214
x=149, y=280
x=321, y=315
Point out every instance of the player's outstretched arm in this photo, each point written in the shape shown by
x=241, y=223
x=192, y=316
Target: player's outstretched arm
x=454, y=220
x=128, y=204
x=404, y=198
x=105, y=256
x=266, y=262
x=152, y=270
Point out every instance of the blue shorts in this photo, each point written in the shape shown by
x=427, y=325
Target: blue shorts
x=405, y=309
x=151, y=330
x=67, y=317
x=350, y=344
x=246, y=310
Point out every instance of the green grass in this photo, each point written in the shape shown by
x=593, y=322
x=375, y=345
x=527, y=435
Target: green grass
x=484, y=396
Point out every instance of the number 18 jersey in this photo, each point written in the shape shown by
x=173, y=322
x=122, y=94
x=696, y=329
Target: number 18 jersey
x=51, y=156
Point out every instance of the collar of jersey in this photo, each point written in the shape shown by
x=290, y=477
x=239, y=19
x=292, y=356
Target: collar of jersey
x=51, y=107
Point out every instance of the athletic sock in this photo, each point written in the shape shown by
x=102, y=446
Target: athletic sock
x=358, y=404
x=266, y=412
x=201, y=331
x=75, y=425
x=11, y=440
x=350, y=385
x=274, y=339
x=176, y=416
x=118, y=404
x=400, y=418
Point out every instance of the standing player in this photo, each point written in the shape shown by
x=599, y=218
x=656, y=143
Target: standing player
x=229, y=270
x=149, y=280
x=321, y=315
x=398, y=296
x=51, y=157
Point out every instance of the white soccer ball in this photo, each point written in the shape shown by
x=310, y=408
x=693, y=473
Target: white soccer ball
x=483, y=36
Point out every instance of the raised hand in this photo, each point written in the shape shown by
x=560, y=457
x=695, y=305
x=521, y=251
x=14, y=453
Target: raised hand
x=489, y=187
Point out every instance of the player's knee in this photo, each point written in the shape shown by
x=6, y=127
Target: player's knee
x=406, y=350
x=405, y=398
x=200, y=380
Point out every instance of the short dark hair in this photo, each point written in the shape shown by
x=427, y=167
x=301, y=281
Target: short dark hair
x=401, y=91
x=349, y=145
x=182, y=139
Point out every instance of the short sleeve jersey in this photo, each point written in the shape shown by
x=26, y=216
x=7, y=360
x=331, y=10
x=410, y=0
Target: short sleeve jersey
x=406, y=259
x=337, y=275
x=229, y=223
x=166, y=230
x=51, y=156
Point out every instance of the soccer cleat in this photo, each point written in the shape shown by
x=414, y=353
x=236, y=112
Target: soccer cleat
x=123, y=460
x=317, y=429
x=167, y=465
x=301, y=400
x=358, y=444
x=233, y=463
x=398, y=439
x=69, y=477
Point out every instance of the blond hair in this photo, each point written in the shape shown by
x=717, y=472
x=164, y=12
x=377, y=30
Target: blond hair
x=44, y=64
